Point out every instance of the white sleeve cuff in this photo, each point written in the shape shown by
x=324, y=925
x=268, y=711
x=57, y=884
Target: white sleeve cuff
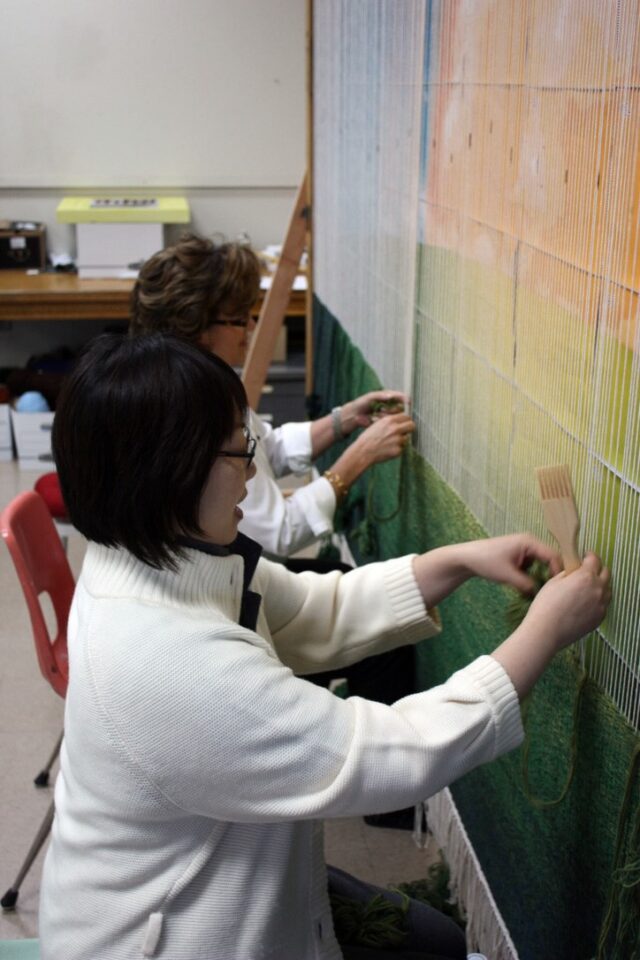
x=296, y=444
x=317, y=501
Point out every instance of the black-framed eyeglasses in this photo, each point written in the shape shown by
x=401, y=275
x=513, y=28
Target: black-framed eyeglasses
x=247, y=454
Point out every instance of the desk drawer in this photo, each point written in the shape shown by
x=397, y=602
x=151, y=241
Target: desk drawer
x=6, y=446
x=32, y=434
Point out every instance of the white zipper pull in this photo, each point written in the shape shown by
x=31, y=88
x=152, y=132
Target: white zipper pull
x=152, y=938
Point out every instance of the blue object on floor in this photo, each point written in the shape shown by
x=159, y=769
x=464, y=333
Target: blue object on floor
x=32, y=402
x=19, y=950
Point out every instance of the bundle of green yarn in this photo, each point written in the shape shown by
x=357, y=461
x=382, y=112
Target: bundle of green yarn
x=435, y=890
x=520, y=603
x=379, y=407
x=377, y=924
x=380, y=924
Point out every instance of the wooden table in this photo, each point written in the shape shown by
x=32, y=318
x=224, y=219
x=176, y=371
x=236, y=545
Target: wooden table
x=64, y=296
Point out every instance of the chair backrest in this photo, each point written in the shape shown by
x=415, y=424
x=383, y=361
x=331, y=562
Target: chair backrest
x=42, y=566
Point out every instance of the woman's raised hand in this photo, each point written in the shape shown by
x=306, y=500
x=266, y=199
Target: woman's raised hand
x=567, y=608
x=571, y=605
x=384, y=439
x=371, y=406
x=506, y=559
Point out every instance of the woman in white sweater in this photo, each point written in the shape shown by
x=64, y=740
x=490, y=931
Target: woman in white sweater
x=198, y=764
x=204, y=292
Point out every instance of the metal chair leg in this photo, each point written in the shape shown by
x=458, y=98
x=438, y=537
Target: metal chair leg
x=42, y=780
x=8, y=901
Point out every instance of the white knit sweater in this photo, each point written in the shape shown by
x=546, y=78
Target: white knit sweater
x=196, y=765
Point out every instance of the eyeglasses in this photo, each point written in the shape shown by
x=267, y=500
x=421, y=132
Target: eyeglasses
x=233, y=321
x=247, y=454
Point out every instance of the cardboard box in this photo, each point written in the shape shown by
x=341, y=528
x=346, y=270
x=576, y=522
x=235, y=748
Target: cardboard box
x=6, y=444
x=32, y=435
x=22, y=245
x=116, y=249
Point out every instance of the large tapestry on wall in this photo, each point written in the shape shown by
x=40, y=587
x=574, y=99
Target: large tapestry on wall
x=476, y=203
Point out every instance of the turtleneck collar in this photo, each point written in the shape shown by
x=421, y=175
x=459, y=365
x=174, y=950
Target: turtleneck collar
x=250, y=551
x=208, y=575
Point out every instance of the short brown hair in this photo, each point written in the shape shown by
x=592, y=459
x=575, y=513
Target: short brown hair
x=183, y=288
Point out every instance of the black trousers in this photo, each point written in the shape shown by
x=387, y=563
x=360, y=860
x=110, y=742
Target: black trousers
x=385, y=678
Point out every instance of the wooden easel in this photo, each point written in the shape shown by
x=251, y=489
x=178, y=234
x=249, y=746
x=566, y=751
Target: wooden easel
x=274, y=306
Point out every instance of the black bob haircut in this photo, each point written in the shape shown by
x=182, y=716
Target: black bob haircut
x=138, y=424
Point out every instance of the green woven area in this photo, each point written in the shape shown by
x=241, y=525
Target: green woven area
x=550, y=866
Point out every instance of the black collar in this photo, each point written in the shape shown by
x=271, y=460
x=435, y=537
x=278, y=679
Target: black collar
x=250, y=551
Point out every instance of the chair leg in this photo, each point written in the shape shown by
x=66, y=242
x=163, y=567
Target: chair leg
x=8, y=901
x=42, y=780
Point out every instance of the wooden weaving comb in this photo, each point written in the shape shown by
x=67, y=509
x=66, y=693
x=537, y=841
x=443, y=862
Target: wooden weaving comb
x=560, y=512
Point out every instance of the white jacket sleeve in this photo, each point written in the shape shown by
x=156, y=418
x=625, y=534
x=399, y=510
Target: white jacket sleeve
x=284, y=525
x=287, y=447
x=235, y=735
x=250, y=742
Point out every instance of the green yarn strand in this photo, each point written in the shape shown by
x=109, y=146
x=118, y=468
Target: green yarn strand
x=627, y=876
x=365, y=537
x=573, y=752
x=516, y=612
x=365, y=533
x=620, y=932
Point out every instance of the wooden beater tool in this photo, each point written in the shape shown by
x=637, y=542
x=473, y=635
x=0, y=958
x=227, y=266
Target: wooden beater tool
x=560, y=512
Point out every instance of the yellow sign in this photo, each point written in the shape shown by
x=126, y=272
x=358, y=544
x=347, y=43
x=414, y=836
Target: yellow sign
x=123, y=210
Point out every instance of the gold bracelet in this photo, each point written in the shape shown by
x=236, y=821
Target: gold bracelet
x=339, y=486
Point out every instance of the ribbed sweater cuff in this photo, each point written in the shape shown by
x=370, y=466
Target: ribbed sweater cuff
x=503, y=699
x=406, y=599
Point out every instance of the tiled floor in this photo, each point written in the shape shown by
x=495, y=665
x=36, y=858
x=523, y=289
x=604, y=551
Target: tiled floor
x=31, y=719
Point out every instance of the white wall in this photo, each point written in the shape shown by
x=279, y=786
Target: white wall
x=201, y=98
x=198, y=98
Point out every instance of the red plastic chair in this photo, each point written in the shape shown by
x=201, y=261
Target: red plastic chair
x=48, y=486
x=42, y=567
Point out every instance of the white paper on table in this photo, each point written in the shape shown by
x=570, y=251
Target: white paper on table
x=300, y=282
